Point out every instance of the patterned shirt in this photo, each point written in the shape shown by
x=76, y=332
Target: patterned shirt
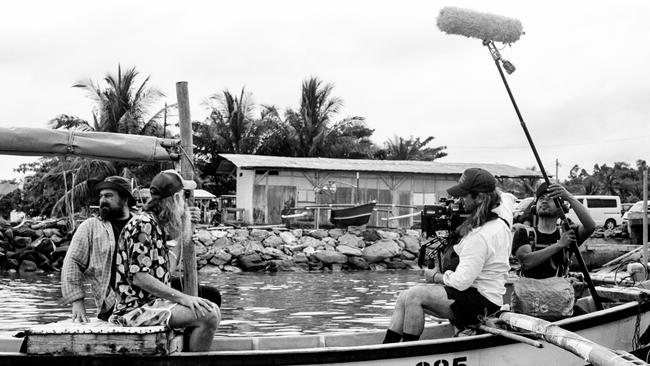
x=89, y=256
x=141, y=248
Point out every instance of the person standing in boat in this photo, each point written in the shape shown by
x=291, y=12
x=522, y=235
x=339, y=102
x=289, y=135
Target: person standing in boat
x=92, y=250
x=475, y=288
x=144, y=294
x=546, y=254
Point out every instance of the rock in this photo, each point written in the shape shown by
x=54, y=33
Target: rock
x=218, y=234
x=12, y=264
x=411, y=243
x=351, y=241
x=309, y=241
x=220, y=257
x=259, y=235
x=396, y=264
x=210, y=269
x=205, y=237
x=38, y=234
x=236, y=249
x=274, y=253
x=59, y=252
x=222, y=243
x=297, y=233
x=330, y=256
x=44, y=246
x=371, y=235
x=318, y=233
x=408, y=255
x=335, y=233
x=252, y=247
x=410, y=232
x=356, y=230
x=381, y=250
x=240, y=233
x=231, y=269
x=56, y=239
x=388, y=234
x=201, y=262
x=199, y=249
x=251, y=262
x=27, y=266
x=358, y=263
x=25, y=232
x=349, y=250
x=283, y=265
x=273, y=241
x=309, y=251
x=411, y=264
x=9, y=235
x=379, y=267
x=22, y=242
x=300, y=258
x=337, y=267
x=2, y=235
x=288, y=238
x=328, y=247
x=330, y=242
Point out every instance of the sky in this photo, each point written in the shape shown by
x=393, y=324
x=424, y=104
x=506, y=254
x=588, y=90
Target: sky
x=582, y=81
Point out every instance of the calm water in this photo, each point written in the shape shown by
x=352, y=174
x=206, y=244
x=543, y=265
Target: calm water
x=253, y=304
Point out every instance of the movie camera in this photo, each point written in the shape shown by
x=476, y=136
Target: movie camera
x=439, y=223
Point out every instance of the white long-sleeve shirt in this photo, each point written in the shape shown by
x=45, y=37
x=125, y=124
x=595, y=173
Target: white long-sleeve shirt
x=484, y=261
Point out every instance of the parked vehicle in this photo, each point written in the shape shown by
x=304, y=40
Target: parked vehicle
x=521, y=212
x=605, y=210
x=637, y=207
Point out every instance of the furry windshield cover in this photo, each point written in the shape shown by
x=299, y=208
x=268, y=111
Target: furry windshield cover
x=484, y=26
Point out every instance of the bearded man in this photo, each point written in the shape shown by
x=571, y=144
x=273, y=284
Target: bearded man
x=144, y=294
x=92, y=250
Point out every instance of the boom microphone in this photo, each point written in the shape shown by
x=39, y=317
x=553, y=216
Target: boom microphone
x=484, y=26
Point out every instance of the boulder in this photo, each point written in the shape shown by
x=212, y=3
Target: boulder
x=27, y=266
x=283, y=265
x=300, y=258
x=220, y=257
x=222, y=243
x=396, y=264
x=330, y=242
x=356, y=230
x=309, y=251
x=59, y=252
x=379, y=267
x=209, y=269
x=236, y=249
x=51, y=232
x=217, y=234
x=22, y=241
x=411, y=243
x=318, y=233
x=240, y=233
x=381, y=250
x=388, y=234
x=251, y=262
x=309, y=241
x=358, y=263
x=297, y=233
x=335, y=233
x=349, y=250
x=288, y=238
x=9, y=235
x=11, y=264
x=274, y=253
x=259, y=235
x=273, y=241
x=408, y=255
x=351, y=241
x=330, y=256
x=231, y=269
x=411, y=264
x=26, y=232
x=56, y=239
x=199, y=249
x=415, y=233
x=371, y=235
x=252, y=246
x=44, y=246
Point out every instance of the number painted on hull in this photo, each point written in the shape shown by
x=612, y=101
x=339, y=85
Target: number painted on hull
x=456, y=361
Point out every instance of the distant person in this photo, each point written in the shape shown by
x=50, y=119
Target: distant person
x=545, y=254
x=476, y=287
x=144, y=294
x=92, y=250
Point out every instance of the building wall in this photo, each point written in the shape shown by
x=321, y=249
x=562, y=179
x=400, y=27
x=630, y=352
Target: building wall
x=265, y=194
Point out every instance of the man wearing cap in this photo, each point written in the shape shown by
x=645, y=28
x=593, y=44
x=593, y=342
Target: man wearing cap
x=546, y=256
x=92, y=250
x=475, y=288
x=144, y=295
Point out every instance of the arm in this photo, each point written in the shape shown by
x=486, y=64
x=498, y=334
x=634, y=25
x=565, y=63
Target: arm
x=531, y=259
x=75, y=264
x=197, y=304
x=588, y=225
x=472, y=258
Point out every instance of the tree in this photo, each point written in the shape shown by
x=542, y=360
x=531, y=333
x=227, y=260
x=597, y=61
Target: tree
x=412, y=148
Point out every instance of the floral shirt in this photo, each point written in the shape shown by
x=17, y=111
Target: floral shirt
x=141, y=248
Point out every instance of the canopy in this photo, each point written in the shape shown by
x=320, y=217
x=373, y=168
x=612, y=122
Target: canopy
x=95, y=145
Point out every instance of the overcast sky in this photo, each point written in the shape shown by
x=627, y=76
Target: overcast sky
x=582, y=81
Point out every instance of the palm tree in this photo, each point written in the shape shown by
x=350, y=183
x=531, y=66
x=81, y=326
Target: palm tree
x=412, y=148
x=312, y=129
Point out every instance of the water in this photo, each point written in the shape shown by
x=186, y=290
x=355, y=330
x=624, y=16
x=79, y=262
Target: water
x=253, y=303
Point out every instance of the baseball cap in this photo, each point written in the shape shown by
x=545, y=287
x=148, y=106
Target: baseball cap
x=168, y=182
x=473, y=180
x=541, y=190
x=116, y=183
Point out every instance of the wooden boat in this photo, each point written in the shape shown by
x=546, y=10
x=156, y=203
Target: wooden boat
x=352, y=216
x=617, y=327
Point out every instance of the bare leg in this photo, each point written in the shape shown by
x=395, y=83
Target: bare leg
x=433, y=298
x=202, y=329
x=397, y=320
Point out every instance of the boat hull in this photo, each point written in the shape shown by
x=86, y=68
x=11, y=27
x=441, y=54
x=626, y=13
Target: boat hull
x=352, y=216
x=614, y=328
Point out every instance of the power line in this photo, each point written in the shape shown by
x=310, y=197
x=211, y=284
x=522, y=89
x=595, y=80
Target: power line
x=545, y=146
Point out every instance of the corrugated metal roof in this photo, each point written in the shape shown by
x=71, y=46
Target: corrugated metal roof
x=360, y=165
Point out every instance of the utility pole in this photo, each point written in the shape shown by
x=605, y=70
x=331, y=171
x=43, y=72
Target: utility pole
x=557, y=177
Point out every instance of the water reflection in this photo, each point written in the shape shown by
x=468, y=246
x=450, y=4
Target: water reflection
x=253, y=304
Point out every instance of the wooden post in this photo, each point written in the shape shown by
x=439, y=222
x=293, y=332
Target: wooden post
x=190, y=281
x=645, y=221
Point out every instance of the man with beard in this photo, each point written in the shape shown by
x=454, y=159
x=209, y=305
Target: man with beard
x=475, y=288
x=144, y=295
x=546, y=254
x=92, y=250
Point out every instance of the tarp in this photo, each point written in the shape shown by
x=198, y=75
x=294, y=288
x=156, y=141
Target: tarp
x=95, y=145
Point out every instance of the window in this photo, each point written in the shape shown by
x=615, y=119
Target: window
x=424, y=199
x=307, y=196
x=601, y=203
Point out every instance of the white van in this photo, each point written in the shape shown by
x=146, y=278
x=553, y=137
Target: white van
x=605, y=210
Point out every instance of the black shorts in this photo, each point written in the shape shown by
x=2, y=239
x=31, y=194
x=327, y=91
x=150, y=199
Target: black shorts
x=468, y=306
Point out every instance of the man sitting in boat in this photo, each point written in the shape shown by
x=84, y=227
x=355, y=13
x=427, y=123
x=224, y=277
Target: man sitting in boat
x=475, y=288
x=545, y=255
x=92, y=250
x=144, y=295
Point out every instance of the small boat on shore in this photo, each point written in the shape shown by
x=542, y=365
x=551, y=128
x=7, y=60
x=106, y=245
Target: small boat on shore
x=352, y=216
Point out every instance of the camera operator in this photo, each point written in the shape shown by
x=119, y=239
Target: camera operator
x=476, y=287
